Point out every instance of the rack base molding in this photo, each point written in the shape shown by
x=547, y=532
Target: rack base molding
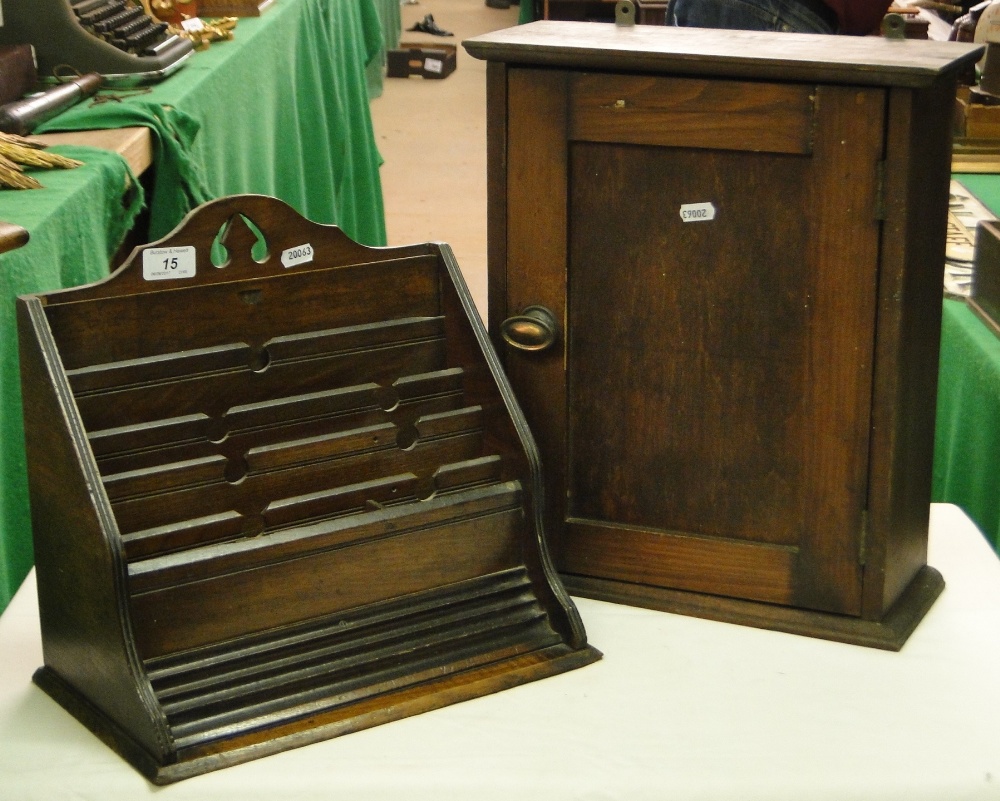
x=715, y=279
x=281, y=491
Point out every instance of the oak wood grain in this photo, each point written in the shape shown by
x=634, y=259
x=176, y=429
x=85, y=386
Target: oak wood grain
x=274, y=493
x=854, y=61
x=748, y=385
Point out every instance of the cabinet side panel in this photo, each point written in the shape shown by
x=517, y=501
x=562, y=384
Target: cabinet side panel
x=917, y=173
x=844, y=250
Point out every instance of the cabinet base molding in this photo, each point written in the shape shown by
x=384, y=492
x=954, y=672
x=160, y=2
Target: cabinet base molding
x=888, y=633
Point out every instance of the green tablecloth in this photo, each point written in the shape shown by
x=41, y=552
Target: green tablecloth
x=75, y=223
x=391, y=20
x=282, y=110
x=967, y=437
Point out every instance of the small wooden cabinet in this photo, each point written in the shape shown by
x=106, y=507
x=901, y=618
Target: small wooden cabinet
x=715, y=278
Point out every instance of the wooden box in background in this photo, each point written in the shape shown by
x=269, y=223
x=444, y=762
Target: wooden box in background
x=647, y=12
x=984, y=299
x=18, y=74
x=428, y=61
x=715, y=271
x=280, y=491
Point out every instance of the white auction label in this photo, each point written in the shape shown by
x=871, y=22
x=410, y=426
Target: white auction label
x=193, y=24
x=303, y=254
x=697, y=212
x=166, y=264
x=435, y=65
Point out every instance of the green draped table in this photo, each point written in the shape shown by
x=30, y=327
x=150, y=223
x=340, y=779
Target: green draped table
x=281, y=110
x=391, y=21
x=75, y=223
x=967, y=436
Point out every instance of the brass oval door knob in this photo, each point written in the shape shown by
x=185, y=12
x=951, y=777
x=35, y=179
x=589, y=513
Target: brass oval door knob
x=535, y=328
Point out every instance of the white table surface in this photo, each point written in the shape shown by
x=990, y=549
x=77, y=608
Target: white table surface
x=679, y=708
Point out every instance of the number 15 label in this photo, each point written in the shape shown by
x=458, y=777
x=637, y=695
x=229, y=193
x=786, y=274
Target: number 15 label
x=165, y=264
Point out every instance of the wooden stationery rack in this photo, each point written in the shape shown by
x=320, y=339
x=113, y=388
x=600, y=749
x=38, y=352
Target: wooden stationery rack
x=280, y=491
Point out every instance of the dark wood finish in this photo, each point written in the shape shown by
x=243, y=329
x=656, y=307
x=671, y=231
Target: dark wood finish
x=700, y=52
x=908, y=332
x=651, y=12
x=275, y=504
x=12, y=236
x=736, y=418
x=647, y=12
x=985, y=296
x=428, y=61
x=641, y=110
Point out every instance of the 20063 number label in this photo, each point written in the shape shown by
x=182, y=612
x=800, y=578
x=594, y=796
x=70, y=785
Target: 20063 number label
x=697, y=212
x=300, y=254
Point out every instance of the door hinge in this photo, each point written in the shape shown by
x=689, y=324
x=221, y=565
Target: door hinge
x=863, y=544
x=880, y=191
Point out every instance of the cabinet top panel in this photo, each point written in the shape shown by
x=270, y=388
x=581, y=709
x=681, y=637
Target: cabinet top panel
x=855, y=60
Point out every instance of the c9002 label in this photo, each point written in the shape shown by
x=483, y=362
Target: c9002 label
x=697, y=212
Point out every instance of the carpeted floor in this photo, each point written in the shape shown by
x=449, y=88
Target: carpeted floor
x=432, y=135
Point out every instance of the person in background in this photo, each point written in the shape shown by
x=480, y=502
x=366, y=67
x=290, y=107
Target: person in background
x=856, y=17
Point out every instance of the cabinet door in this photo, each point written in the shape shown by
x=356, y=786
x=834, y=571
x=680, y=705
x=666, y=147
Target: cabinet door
x=710, y=250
